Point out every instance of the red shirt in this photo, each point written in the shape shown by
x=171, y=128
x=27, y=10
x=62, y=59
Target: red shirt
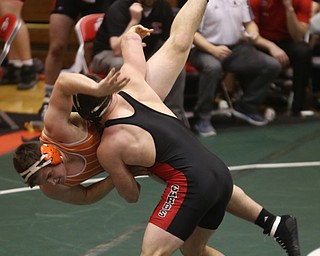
x=270, y=16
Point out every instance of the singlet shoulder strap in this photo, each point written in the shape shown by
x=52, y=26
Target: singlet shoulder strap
x=124, y=120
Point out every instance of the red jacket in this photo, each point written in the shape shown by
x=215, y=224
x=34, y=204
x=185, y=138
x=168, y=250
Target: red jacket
x=270, y=16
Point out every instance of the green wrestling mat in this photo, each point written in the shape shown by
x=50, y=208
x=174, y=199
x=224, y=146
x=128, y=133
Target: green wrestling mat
x=276, y=165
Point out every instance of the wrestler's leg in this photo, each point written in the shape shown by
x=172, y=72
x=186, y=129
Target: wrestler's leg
x=157, y=241
x=196, y=244
x=243, y=206
x=165, y=65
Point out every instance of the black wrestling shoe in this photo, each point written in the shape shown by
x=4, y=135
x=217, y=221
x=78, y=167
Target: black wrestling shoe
x=285, y=232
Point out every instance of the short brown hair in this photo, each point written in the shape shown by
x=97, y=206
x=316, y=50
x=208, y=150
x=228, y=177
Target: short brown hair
x=25, y=156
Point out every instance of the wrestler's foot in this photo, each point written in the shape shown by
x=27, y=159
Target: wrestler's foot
x=285, y=232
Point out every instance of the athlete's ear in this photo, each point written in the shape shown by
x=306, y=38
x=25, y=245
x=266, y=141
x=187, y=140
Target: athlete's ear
x=51, y=152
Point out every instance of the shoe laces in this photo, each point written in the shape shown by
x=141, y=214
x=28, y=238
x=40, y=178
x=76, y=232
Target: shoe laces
x=281, y=243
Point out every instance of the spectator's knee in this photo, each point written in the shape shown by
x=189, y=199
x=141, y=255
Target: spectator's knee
x=302, y=52
x=58, y=49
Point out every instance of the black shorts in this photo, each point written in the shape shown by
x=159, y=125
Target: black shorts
x=79, y=8
x=186, y=204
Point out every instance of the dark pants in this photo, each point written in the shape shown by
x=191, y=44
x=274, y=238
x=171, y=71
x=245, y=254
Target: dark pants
x=255, y=69
x=316, y=70
x=300, y=60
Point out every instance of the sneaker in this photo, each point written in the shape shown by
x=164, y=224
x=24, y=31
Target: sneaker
x=28, y=78
x=285, y=232
x=45, y=104
x=38, y=65
x=251, y=118
x=205, y=128
x=10, y=75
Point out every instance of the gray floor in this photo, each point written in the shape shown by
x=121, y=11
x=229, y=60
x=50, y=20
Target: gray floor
x=33, y=225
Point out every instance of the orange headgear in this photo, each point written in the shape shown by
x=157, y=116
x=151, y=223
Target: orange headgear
x=49, y=155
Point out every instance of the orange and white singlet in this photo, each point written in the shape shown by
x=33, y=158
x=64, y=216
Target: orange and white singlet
x=86, y=149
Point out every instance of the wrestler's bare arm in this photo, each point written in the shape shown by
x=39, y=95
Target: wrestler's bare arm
x=111, y=154
x=79, y=195
x=56, y=120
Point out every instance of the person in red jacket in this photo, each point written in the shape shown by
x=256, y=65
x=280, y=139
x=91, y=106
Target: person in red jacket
x=283, y=26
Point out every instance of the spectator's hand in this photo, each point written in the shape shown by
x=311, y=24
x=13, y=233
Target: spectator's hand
x=280, y=55
x=287, y=3
x=221, y=52
x=111, y=83
x=136, y=10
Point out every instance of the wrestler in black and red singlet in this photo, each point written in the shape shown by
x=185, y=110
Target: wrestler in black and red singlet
x=199, y=184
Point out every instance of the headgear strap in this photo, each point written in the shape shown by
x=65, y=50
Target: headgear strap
x=50, y=155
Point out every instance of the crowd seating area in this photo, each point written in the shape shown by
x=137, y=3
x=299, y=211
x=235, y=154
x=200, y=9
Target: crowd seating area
x=36, y=15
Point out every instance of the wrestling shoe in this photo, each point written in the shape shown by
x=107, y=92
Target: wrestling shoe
x=285, y=232
x=205, y=128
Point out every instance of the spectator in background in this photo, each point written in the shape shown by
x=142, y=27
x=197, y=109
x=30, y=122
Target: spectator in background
x=283, y=26
x=122, y=15
x=180, y=3
x=220, y=49
x=314, y=42
x=62, y=20
x=314, y=30
x=20, y=68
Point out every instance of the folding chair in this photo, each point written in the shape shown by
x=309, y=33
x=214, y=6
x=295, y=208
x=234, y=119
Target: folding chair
x=9, y=27
x=86, y=29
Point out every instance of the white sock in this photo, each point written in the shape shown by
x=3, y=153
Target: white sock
x=17, y=63
x=28, y=62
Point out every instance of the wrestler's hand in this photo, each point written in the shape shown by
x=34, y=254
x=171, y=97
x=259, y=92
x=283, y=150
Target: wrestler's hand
x=112, y=83
x=141, y=31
